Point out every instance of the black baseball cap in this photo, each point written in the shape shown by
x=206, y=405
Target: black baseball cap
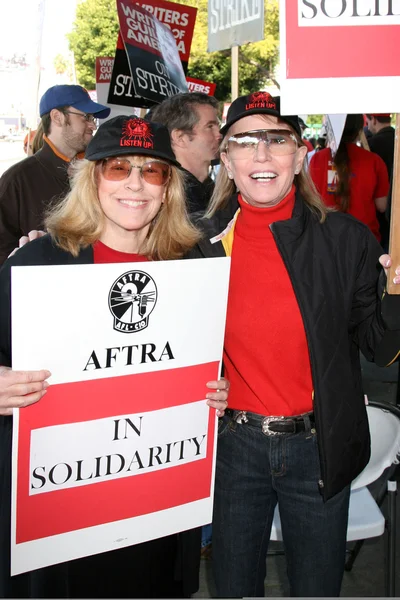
x=130, y=135
x=258, y=103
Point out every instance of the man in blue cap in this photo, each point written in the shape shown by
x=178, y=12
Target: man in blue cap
x=68, y=117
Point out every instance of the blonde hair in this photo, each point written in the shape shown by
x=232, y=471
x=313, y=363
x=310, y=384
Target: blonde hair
x=78, y=220
x=225, y=187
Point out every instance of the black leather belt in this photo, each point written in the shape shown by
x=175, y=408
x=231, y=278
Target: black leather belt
x=273, y=425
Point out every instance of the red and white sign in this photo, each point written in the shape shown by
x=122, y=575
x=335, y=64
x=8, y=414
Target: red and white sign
x=197, y=85
x=121, y=448
x=154, y=60
x=338, y=56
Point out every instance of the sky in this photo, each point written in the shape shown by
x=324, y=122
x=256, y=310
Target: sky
x=19, y=27
x=21, y=33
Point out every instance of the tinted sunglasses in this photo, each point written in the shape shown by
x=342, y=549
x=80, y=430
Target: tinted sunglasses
x=155, y=172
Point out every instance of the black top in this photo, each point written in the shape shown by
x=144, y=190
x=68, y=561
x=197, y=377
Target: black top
x=198, y=193
x=26, y=189
x=382, y=143
x=333, y=267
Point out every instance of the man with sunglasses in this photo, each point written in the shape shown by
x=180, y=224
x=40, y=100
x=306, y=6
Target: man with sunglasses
x=68, y=117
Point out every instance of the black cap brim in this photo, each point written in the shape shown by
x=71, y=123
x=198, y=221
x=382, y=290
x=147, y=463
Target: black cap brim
x=261, y=111
x=101, y=154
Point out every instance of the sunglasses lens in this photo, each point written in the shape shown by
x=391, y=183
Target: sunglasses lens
x=116, y=169
x=156, y=173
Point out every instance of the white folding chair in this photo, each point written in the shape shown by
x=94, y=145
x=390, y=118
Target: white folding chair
x=365, y=517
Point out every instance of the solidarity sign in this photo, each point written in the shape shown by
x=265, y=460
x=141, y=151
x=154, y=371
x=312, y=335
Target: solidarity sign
x=121, y=448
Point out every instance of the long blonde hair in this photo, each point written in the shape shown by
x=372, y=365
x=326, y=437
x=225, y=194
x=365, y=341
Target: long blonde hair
x=225, y=187
x=78, y=220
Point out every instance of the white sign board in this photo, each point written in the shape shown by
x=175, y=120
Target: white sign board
x=130, y=348
x=339, y=56
x=234, y=23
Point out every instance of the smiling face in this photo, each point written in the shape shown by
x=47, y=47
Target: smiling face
x=263, y=178
x=129, y=206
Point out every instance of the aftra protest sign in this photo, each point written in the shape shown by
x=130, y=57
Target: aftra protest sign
x=355, y=69
x=197, y=85
x=125, y=415
x=104, y=69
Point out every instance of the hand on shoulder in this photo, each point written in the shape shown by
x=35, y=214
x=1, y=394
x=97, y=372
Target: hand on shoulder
x=25, y=239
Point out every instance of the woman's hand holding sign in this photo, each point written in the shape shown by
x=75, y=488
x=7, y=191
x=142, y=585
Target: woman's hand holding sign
x=386, y=263
x=219, y=398
x=21, y=388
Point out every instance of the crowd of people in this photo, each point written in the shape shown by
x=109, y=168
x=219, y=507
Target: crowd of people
x=306, y=295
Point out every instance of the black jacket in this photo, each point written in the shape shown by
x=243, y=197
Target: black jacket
x=59, y=580
x=197, y=193
x=382, y=143
x=334, y=271
x=26, y=189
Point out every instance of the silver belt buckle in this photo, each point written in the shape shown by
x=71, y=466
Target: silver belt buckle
x=265, y=425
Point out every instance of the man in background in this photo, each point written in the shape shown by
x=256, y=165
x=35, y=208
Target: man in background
x=382, y=140
x=68, y=118
x=192, y=121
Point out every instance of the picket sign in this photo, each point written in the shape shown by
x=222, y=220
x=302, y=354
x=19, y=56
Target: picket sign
x=394, y=244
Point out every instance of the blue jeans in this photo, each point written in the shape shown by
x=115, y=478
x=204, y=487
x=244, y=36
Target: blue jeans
x=206, y=535
x=254, y=473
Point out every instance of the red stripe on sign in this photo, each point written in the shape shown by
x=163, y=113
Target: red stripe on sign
x=61, y=511
x=324, y=52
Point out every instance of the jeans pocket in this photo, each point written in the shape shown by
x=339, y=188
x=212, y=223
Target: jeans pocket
x=223, y=425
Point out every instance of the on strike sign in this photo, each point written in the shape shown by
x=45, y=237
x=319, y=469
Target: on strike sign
x=355, y=68
x=121, y=448
x=153, y=56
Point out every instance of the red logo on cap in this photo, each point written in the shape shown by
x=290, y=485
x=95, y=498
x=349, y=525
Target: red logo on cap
x=261, y=100
x=136, y=132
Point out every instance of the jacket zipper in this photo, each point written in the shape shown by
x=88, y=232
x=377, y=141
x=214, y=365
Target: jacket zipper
x=321, y=483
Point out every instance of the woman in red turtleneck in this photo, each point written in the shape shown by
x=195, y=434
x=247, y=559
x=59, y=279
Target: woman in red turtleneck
x=126, y=204
x=303, y=300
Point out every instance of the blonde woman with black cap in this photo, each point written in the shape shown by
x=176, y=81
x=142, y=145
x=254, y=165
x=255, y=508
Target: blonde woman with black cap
x=126, y=204
x=303, y=300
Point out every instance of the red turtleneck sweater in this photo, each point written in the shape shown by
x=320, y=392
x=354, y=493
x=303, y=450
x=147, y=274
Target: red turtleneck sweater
x=266, y=354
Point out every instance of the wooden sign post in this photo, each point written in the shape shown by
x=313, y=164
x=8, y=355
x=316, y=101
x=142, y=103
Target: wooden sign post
x=394, y=244
x=235, y=72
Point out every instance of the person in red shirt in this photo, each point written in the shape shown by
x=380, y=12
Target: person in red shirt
x=354, y=181
x=126, y=204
